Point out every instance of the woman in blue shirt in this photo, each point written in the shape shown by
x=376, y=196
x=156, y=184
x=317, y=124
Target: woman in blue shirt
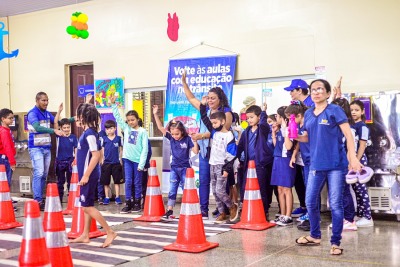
x=325, y=126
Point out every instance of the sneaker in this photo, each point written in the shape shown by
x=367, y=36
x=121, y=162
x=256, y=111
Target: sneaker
x=357, y=218
x=136, y=207
x=221, y=218
x=348, y=226
x=168, y=216
x=42, y=205
x=277, y=219
x=303, y=218
x=127, y=208
x=365, y=175
x=14, y=201
x=364, y=222
x=204, y=215
x=299, y=212
x=304, y=226
x=234, y=211
x=267, y=216
x=215, y=213
x=233, y=221
x=118, y=201
x=100, y=201
x=15, y=208
x=285, y=221
x=277, y=215
x=106, y=201
x=351, y=177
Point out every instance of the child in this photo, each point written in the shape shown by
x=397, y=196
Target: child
x=111, y=163
x=282, y=174
x=298, y=109
x=7, y=148
x=253, y=144
x=65, y=152
x=181, y=145
x=145, y=176
x=363, y=218
x=222, y=156
x=88, y=157
x=133, y=156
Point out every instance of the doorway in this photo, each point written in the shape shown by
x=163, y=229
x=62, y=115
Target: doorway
x=79, y=75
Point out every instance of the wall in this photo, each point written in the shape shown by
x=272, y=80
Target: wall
x=356, y=39
x=4, y=70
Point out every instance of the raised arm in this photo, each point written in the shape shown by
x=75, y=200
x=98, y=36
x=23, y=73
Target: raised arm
x=116, y=114
x=189, y=95
x=158, y=121
x=205, y=118
x=264, y=126
x=58, y=115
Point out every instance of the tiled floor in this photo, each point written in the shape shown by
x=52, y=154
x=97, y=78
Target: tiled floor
x=376, y=246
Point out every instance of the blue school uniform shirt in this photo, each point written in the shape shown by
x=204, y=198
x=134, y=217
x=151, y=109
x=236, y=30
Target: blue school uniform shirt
x=325, y=138
x=88, y=142
x=111, y=149
x=45, y=118
x=270, y=143
x=280, y=149
x=304, y=148
x=180, y=150
x=252, y=145
x=65, y=147
x=361, y=132
x=308, y=101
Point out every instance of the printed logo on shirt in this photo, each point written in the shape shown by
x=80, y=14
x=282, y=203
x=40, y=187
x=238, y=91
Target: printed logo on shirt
x=71, y=140
x=279, y=138
x=324, y=122
x=115, y=144
x=183, y=145
x=133, y=137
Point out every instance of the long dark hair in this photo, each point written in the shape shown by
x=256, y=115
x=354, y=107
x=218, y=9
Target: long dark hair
x=344, y=104
x=173, y=124
x=223, y=100
x=281, y=112
x=361, y=105
x=296, y=107
x=88, y=115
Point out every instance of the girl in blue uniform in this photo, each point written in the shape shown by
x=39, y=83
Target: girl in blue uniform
x=325, y=126
x=88, y=156
x=282, y=174
x=363, y=218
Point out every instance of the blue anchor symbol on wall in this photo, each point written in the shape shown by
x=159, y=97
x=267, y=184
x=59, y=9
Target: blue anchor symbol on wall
x=2, y=53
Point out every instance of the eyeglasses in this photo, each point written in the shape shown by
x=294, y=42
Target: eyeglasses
x=317, y=90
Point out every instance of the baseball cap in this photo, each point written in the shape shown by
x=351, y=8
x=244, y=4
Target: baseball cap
x=297, y=84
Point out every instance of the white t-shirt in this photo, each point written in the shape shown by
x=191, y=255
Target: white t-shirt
x=219, y=151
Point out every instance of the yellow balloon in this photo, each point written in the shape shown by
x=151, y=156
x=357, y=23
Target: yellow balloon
x=73, y=18
x=244, y=124
x=83, y=18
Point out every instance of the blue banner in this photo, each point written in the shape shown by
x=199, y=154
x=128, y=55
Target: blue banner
x=83, y=90
x=202, y=74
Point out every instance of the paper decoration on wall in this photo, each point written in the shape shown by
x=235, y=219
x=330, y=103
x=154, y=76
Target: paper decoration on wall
x=173, y=27
x=79, y=27
x=107, y=87
x=2, y=53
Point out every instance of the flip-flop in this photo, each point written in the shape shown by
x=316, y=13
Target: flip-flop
x=336, y=251
x=308, y=243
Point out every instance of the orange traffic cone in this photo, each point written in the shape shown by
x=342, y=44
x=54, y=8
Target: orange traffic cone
x=7, y=216
x=72, y=190
x=191, y=236
x=54, y=229
x=153, y=206
x=78, y=221
x=33, y=247
x=253, y=216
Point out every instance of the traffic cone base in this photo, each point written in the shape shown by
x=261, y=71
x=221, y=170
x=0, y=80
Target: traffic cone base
x=253, y=216
x=153, y=205
x=191, y=236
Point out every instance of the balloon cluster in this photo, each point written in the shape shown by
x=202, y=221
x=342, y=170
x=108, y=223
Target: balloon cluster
x=78, y=28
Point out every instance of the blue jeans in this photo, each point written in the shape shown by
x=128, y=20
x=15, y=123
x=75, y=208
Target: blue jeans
x=177, y=178
x=348, y=204
x=315, y=183
x=40, y=158
x=204, y=179
x=132, y=175
x=4, y=161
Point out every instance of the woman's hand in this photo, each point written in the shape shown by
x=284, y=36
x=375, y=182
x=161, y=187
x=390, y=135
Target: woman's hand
x=204, y=100
x=354, y=164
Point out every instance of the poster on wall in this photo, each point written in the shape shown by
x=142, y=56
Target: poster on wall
x=202, y=74
x=104, y=88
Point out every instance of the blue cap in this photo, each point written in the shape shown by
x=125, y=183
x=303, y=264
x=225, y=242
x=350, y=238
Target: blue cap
x=297, y=84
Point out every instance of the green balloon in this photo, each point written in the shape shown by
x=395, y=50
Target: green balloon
x=71, y=30
x=84, y=34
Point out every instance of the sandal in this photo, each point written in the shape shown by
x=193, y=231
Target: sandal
x=308, y=242
x=336, y=251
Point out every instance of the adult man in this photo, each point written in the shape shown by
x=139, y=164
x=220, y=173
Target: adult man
x=39, y=144
x=299, y=91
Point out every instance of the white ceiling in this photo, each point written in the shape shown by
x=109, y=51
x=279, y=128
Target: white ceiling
x=15, y=7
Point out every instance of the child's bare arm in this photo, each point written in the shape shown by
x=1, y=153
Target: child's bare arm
x=158, y=121
x=58, y=115
x=94, y=160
